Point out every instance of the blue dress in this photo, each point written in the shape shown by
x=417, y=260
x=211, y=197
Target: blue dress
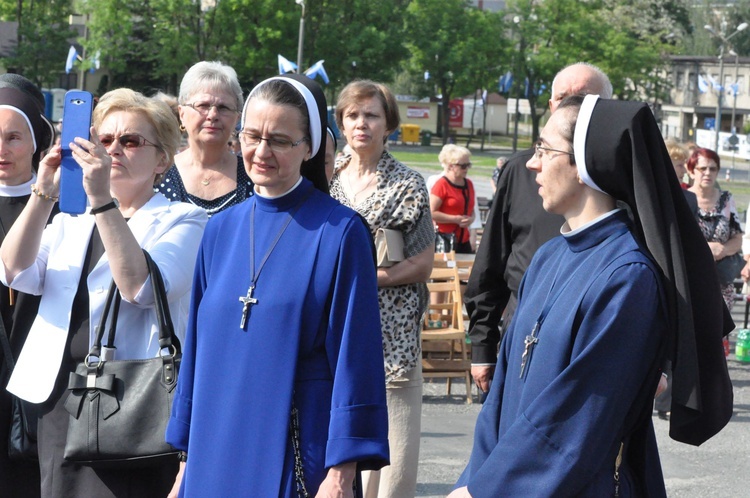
x=313, y=336
x=588, y=382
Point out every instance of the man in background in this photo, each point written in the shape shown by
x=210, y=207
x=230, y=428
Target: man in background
x=516, y=227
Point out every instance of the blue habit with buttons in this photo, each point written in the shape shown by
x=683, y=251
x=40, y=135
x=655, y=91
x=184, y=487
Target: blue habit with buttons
x=314, y=335
x=589, y=380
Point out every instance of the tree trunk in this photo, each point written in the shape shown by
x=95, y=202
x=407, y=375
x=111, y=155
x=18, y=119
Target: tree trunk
x=446, y=113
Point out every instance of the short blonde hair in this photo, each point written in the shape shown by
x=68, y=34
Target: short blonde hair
x=157, y=113
x=451, y=154
x=677, y=151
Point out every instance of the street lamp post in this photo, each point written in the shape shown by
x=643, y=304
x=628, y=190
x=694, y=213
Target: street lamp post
x=76, y=19
x=516, y=22
x=301, y=35
x=721, y=35
x=734, y=103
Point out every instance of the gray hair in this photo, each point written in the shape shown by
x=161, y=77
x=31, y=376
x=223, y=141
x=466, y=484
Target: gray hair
x=210, y=76
x=599, y=85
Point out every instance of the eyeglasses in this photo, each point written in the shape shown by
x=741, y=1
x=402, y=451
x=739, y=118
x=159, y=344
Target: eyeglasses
x=127, y=141
x=707, y=169
x=204, y=108
x=276, y=144
x=539, y=151
x=463, y=165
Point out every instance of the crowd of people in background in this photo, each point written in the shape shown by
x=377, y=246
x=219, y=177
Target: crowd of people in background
x=301, y=370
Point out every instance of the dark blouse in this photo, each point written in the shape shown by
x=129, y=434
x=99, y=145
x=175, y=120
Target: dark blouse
x=174, y=189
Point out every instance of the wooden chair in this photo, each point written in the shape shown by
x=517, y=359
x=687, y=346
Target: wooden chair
x=445, y=353
x=464, y=267
x=444, y=259
x=484, y=204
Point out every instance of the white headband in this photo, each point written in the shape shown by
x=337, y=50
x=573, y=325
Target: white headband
x=579, y=139
x=312, y=110
x=25, y=118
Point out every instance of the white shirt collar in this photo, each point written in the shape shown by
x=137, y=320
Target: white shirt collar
x=17, y=190
x=567, y=232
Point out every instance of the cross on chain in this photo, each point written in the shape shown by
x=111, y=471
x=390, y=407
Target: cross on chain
x=528, y=345
x=246, y=302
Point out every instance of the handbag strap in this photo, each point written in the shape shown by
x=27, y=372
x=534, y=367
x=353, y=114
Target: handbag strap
x=7, y=352
x=167, y=338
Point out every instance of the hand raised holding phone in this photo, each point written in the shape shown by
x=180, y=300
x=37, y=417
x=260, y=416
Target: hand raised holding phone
x=76, y=123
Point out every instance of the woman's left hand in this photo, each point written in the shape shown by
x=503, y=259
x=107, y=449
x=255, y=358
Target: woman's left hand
x=717, y=249
x=338, y=482
x=745, y=273
x=411, y=270
x=464, y=221
x=462, y=492
x=96, y=162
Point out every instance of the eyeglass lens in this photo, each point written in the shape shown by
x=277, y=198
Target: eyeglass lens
x=128, y=141
x=276, y=144
x=205, y=107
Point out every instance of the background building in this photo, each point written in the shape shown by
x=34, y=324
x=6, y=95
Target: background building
x=689, y=114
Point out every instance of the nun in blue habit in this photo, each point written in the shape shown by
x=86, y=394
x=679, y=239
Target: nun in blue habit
x=281, y=391
x=601, y=308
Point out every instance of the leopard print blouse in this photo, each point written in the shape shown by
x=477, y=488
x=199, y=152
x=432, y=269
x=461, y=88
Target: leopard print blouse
x=400, y=202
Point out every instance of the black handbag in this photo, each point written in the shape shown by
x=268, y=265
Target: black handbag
x=444, y=242
x=22, y=431
x=23, y=415
x=729, y=268
x=120, y=408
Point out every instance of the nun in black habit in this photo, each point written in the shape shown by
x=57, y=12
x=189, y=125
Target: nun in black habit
x=600, y=310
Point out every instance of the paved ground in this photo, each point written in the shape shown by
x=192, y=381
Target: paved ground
x=718, y=468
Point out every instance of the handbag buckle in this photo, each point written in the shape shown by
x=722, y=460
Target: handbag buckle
x=171, y=351
x=87, y=361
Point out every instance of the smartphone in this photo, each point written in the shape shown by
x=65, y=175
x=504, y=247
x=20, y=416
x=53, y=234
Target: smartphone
x=76, y=122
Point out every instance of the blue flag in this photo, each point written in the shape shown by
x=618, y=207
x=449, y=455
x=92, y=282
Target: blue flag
x=286, y=66
x=72, y=55
x=735, y=88
x=317, y=69
x=505, y=83
x=95, y=62
x=702, y=84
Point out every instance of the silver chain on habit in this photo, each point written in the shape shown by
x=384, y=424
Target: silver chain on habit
x=299, y=474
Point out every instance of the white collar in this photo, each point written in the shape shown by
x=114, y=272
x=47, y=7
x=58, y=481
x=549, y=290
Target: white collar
x=280, y=195
x=565, y=230
x=17, y=190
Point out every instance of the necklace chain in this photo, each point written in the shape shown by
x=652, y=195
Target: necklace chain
x=355, y=194
x=249, y=300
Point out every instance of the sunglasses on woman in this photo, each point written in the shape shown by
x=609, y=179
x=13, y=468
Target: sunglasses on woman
x=127, y=141
x=463, y=165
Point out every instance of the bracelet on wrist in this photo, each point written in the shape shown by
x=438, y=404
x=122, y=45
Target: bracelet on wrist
x=39, y=193
x=182, y=456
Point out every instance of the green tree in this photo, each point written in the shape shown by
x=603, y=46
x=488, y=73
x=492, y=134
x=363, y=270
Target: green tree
x=484, y=51
x=736, y=14
x=631, y=47
x=434, y=30
x=154, y=48
x=250, y=34
x=42, y=39
x=356, y=38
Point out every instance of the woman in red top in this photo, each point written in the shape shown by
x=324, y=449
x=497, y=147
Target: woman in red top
x=452, y=197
